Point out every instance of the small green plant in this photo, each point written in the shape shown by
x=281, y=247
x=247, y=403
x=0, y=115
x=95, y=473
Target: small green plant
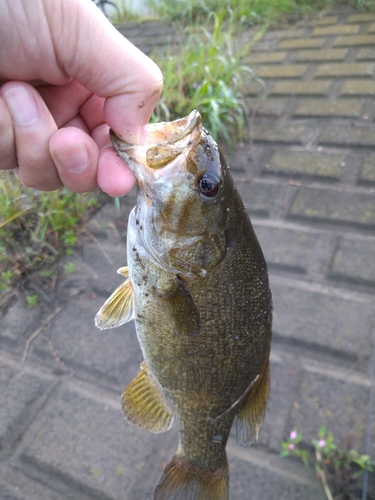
x=35, y=228
x=343, y=466
x=250, y=11
x=207, y=74
x=31, y=300
x=69, y=267
x=126, y=13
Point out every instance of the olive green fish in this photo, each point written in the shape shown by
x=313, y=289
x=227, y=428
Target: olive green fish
x=197, y=287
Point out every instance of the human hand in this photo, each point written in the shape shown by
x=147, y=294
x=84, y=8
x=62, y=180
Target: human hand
x=68, y=75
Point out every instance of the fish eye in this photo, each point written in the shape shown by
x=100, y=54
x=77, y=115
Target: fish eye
x=208, y=184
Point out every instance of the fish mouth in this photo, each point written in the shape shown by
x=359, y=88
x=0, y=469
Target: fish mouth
x=165, y=142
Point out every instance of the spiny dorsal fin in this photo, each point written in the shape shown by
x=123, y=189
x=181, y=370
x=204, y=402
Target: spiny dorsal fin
x=250, y=418
x=184, y=481
x=118, y=309
x=144, y=405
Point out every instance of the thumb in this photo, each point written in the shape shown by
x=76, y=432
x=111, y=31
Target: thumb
x=95, y=54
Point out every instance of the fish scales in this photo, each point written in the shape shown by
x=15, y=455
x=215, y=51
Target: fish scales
x=197, y=287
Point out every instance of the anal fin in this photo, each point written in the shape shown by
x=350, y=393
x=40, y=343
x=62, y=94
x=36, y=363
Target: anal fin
x=250, y=418
x=144, y=405
x=119, y=308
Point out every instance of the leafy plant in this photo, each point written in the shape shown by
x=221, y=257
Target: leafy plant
x=69, y=267
x=249, y=11
x=207, y=74
x=31, y=300
x=36, y=227
x=343, y=466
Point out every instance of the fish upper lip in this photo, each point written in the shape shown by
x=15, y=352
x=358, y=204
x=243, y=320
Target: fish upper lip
x=167, y=140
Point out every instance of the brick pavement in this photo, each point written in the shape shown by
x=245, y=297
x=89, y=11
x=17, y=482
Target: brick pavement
x=307, y=176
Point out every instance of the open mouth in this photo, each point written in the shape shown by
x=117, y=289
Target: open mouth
x=166, y=141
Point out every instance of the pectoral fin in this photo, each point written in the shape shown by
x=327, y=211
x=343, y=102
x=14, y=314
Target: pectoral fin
x=124, y=271
x=144, y=405
x=181, y=312
x=250, y=418
x=119, y=308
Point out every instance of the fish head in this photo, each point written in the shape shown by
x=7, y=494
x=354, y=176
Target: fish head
x=184, y=190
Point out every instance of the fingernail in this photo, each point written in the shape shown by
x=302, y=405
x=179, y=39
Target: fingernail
x=22, y=106
x=73, y=159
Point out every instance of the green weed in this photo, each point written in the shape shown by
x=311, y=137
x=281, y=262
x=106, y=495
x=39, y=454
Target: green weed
x=250, y=11
x=31, y=300
x=125, y=14
x=343, y=467
x=36, y=227
x=69, y=267
x=206, y=73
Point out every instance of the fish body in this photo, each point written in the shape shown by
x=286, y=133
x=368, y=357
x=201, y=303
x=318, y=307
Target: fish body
x=197, y=287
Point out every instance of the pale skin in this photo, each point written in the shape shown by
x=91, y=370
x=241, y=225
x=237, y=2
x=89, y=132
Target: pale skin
x=66, y=77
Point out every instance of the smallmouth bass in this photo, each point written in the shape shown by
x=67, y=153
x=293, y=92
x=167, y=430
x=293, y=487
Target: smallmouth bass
x=197, y=287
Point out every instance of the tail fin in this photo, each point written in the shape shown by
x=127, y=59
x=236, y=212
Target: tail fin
x=184, y=481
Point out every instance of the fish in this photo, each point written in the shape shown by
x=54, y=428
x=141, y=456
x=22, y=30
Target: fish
x=196, y=284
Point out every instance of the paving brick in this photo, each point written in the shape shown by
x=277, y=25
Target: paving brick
x=361, y=18
x=87, y=446
x=103, y=259
x=106, y=357
x=349, y=136
x=337, y=29
x=334, y=206
x=326, y=20
x=323, y=107
x=321, y=55
x=285, y=379
x=18, y=324
x=302, y=43
x=277, y=34
x=22, y=394
x=264, y=45
x=354, y=260
x=256, y=196
x=8, y=493
x=318, y=87
x=340, y=409
x=152, y=28
x=255, y=88
x=268, y=107
x=345, y=69
x=366, y=54
x=286, y=479
x=277, y=71
x=350, y=41
x=306, y=163
x=282, y=133
x=358, y=88
x=367, y=172
x=267, y=57
x=321, y=321
x=286, y=249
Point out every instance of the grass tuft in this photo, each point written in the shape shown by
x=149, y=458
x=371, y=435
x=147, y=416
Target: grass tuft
x=36, y=228
x=251, y=11
x=206, y=73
